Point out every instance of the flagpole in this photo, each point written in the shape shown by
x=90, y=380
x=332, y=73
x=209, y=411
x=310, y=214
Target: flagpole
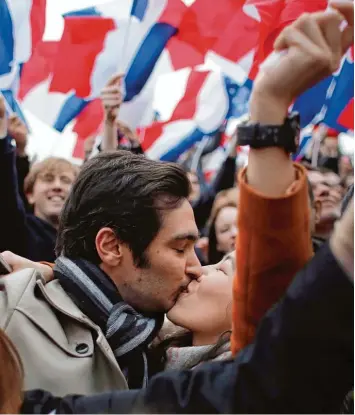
x=7, y=105
x=197, y=156
x=125, y=43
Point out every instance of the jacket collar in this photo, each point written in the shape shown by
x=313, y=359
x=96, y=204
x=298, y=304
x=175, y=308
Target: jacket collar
x=38, y=303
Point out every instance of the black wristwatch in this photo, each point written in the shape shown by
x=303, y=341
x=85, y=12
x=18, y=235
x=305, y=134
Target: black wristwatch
x=257, y=135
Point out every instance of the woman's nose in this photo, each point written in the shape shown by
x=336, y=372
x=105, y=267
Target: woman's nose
x=234, y=231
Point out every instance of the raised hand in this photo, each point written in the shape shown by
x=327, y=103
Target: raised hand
x=311, y=49
x=17, y=263
x=18, y=131
x=112, y=97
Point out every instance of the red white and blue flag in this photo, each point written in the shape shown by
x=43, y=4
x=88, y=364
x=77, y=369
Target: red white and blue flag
x=22, y=27
x=96, y=43
x=209, y=100
x=98, y=46
x=339, y=106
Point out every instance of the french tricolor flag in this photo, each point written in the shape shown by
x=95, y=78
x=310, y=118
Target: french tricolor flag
x=275, y=16
x=340, y=103
x=226, y=32
x=102, y=41
x=22, y=26
x=200, y=112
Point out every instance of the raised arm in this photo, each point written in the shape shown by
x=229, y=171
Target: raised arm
x=13, y=223
x=111, y=97
x=274, y=239
x=18, y=131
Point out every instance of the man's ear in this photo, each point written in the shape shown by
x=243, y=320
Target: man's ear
x=108, y=247
x=30, y=198
x=318, y=210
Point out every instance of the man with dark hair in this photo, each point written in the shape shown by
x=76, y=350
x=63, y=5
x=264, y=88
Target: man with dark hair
x=125, y=251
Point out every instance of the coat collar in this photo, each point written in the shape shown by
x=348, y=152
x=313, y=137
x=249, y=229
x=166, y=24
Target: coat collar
x=41, y=303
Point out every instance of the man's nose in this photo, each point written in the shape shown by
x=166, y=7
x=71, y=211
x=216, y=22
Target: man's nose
x=193, y=266
x=324, y=191
x=57, y=184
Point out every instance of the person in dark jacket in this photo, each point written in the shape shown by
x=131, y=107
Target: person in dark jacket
x=282, y=371
x=47, y=187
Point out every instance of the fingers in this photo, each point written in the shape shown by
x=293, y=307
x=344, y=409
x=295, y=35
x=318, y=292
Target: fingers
x=110, y=91
x=329, y=24
x=115, y=80
x=17, y=263
x=347, y=38
x=291, y=37
x=111, y=102
x=111, y=96
x=319, y=35
x=345, y=8
x=15, y=121
x=308, y=24
x=16, y=126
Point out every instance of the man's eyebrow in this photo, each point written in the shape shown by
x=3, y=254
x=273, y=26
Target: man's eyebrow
x=190, y=236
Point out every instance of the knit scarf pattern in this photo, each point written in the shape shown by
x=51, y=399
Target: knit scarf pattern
x=127, y=331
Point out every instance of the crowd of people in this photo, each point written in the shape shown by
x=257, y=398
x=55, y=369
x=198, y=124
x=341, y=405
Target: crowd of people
x=139, y=287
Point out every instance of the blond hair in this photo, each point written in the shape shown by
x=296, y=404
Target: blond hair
x=49, y=165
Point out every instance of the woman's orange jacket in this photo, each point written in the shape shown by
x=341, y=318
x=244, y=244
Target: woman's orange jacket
x=273, y=244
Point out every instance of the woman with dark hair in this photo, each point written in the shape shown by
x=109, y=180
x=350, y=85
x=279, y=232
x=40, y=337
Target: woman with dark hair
x=222, y=225
x=205, y=312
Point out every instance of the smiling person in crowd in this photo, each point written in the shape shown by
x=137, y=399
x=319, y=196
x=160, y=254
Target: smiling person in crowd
x=328, y=192
x=46, y=187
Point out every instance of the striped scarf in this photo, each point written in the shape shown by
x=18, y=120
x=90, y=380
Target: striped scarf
x=128, y=332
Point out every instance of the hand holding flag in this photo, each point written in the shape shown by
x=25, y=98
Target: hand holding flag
x=18, y=131
x=314, y=45
x=112, y=97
